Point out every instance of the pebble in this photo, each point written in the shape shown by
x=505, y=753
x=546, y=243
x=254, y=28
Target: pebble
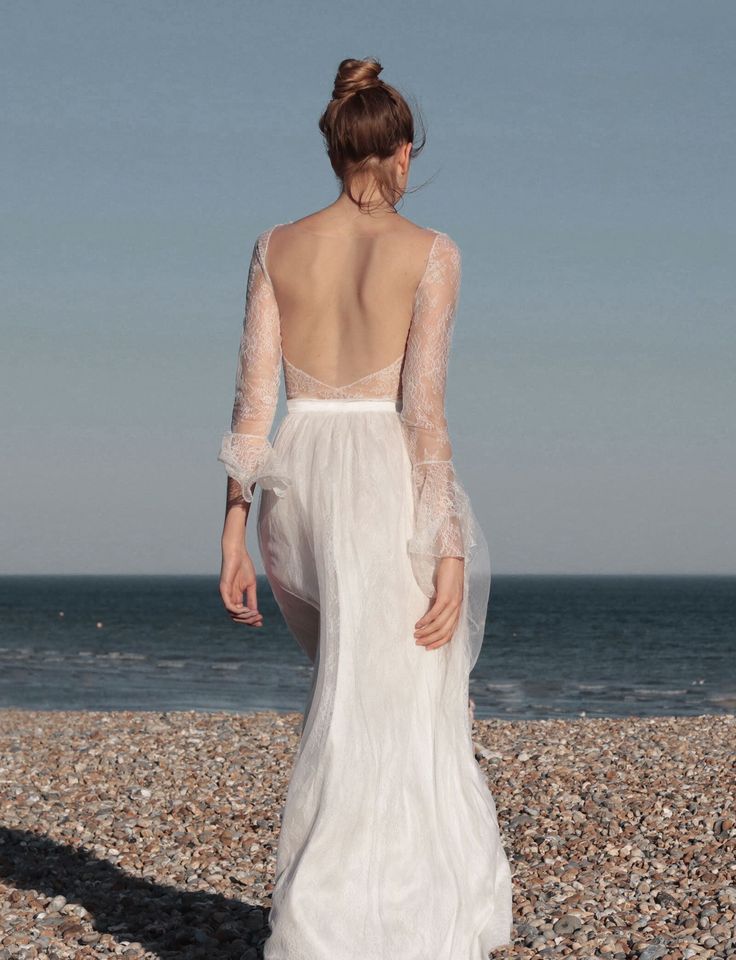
x=153, y=835
x=567, y=925
x=653, y=952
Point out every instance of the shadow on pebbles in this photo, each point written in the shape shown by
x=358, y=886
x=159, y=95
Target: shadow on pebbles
x=149, y=835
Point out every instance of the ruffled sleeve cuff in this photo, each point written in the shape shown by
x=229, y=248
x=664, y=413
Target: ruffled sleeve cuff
x=443, y=521
x=250, y=459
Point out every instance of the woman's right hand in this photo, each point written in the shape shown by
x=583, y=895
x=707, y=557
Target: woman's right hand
x=438, y=624
x=238, y=577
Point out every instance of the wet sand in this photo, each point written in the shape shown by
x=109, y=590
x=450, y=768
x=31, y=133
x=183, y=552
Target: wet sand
x=150, y=835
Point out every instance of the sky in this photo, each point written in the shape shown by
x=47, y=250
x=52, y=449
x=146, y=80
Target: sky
x=580, y=153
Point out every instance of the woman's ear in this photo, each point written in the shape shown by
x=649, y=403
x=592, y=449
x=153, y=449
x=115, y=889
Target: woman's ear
x=404, y=157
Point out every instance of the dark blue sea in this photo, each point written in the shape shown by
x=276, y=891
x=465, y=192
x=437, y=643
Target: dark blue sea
x=555, y=646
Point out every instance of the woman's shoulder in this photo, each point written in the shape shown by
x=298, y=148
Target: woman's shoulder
x=440, y=244
x=444, y=253
x=434, y=248
x=265, y=235
x=425, y=234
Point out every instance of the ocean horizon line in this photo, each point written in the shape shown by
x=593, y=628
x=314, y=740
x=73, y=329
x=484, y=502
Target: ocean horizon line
x=500, y=573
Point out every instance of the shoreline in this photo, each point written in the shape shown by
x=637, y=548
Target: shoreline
x=152, y=834
x=726, y=710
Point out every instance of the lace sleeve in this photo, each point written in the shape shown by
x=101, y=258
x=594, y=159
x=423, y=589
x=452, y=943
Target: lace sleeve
x=444, y=522
x=438, y=530
x=245, y=450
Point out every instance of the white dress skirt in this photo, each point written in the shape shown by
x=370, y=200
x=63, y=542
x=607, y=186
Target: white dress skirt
x=389, y=845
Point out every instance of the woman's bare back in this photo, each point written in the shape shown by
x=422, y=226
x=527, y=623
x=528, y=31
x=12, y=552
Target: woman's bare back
x=345, y=290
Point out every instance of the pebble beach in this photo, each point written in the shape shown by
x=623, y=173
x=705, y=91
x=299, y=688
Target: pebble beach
x=153, y=835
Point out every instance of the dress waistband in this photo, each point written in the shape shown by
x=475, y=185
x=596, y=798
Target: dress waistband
x=339, y=405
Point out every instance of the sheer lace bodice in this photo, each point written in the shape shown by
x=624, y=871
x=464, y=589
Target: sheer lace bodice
x=383, y=384
x=416, y=380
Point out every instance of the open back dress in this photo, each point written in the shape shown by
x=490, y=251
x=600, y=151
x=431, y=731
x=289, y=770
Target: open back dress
x=389, y=846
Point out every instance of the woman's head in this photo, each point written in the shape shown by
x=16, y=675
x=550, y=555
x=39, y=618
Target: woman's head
x=369, y=132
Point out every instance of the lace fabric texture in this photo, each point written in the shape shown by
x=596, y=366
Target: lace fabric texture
x=384, y=384
x=445, y=525
x=246, y=452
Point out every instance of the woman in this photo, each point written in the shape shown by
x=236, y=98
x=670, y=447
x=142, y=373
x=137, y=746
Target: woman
x=389, y=844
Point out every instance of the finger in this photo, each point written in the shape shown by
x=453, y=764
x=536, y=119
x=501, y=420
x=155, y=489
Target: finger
x=447, y=636
x=229, y=594
x=438, y=629
x=236, y=594
x=251, y=598
x=443, y=640
x=447, y=608
x=430, y=616
x=250, y=618
x=245, y=613
x=440, y=643
x=231, y=605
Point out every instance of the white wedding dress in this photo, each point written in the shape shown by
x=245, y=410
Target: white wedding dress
x=389, y=845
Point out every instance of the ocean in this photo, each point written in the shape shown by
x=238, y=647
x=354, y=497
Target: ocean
x=555, y=646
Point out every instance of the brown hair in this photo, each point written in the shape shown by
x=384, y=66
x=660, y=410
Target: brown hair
x=364, y=123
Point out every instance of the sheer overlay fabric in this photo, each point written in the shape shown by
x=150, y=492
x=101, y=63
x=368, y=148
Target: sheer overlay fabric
x=389, y=844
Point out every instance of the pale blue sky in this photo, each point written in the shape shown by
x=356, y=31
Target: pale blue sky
x=583, y=158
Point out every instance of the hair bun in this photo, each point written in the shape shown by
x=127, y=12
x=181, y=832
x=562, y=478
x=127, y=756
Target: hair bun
x=356, y=75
